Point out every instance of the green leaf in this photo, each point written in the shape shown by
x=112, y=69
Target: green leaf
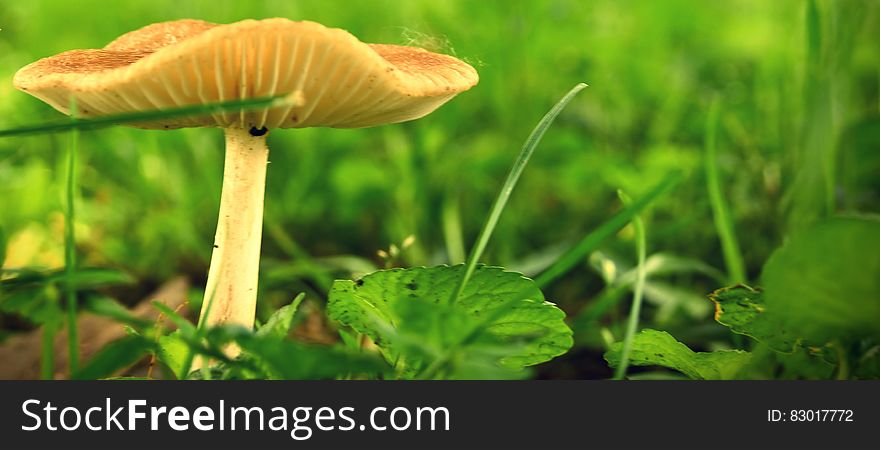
x=867, y=365
x=173, y=351
x=279, y=323
x=457, y=344
x=742, y=309
x=663, y=264
x=351, y=340
x=82, y=278
x=495, y=304
x=34, y=294
x=615, y=271
x=26, y=278
x=825, y=282
x=267, y=357
x=804, y=364
x=39, y=304
x=184, y=325
x=92, y=278
x=114, y=356
x=288, y=360
x=671, y=299
x=108, y=307
x=658, y=348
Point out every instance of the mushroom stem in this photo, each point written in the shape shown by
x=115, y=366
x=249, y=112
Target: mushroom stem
x=231, y=291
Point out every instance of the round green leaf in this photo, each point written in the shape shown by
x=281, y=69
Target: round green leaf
x=496, y=304
x=825, y=282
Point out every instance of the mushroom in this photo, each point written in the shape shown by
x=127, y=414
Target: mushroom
x=334, y=79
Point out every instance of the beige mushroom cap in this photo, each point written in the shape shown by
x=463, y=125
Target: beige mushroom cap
x=338, y=80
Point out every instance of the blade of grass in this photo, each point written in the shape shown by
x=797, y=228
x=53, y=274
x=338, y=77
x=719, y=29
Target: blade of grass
x=452, y=230
x=604, y=301
x=829, y=154
x=147, y=116
x=512, y=178
x=810, y=194
x=70, y=251
x=633, y=322
x=47, y=351
x=736, y=272
x=592, y=240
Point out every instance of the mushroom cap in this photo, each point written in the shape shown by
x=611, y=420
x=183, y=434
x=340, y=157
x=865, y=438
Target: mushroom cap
x=337, y=80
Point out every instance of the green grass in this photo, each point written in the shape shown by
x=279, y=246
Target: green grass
x=638, y=291
x=790, y=140
x=590, y=242
x=76, y=124
x=736, y=271
x=522, y=159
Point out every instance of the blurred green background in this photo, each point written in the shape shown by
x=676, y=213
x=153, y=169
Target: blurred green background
x=797, y=84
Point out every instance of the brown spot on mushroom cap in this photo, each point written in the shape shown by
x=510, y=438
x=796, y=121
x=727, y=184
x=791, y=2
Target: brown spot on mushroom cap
x=414, y=60
x=82, y=61
x=153, y=37
x=342, y=81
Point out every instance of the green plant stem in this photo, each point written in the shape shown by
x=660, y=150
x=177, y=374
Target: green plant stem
x=47, y=352
x=522, y=160
x=147, y=116
x=842, y=360
x=820, y=96
x=452, y=230
x=736, y=272
x=70, y=254
x=633, y=322
x=592, y=240
x=516, y=170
